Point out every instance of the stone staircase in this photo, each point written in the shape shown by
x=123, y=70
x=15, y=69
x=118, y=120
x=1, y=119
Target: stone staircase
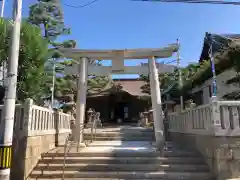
x=129, y=133
x=112, y=160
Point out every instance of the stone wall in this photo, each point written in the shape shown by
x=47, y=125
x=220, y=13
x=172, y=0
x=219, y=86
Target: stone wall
x=28, y=150
x=36, y=131
x=221, y=153
x=214, y=131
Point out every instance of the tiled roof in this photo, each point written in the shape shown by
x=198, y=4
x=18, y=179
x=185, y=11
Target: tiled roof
x=218, y=42
x=232, y=36
x=132, y=86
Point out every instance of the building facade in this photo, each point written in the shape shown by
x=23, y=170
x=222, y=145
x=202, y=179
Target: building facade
x=203, y=93
x=125, y=102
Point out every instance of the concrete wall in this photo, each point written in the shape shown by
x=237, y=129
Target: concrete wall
x=28, y=150
x=222, y=154
x=214, y=131
x=36, y=130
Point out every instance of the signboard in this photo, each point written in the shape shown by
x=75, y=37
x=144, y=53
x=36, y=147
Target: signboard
x=118, y=61
x=117, y=71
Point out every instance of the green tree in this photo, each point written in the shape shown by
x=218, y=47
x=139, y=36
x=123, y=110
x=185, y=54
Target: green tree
x=48, y=14
x=32, y=57
x=165, y=79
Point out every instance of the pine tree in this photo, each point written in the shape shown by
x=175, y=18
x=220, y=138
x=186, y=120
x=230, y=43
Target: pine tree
x=48, y=15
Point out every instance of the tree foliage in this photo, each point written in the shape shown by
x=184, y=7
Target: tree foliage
x=169, y=82
x=226, y=56
x=48, y=14
x=195, y=74
x=32, y=57
x=164, y=78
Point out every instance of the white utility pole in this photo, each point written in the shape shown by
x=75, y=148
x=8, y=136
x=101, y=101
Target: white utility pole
x=3, y=67
x=179, y=74
x=156, y=103
x=2, y=8
x=7, y=123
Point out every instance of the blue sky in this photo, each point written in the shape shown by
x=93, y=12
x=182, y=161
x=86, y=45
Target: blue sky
x=127, y=24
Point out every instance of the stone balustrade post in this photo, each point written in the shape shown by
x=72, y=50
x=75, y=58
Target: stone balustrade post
x=190, y=124
x=27, y=118
x=215, y=117
x=58, y=125
x=57, y=122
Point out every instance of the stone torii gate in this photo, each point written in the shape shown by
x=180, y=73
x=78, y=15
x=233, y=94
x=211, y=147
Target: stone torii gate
x=118, y=57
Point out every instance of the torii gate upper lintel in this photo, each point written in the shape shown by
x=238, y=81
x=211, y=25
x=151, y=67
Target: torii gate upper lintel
x=118, y=57
x=109, y=54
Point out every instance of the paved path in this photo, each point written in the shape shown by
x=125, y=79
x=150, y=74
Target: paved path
x=120, y=145
x=116, y=146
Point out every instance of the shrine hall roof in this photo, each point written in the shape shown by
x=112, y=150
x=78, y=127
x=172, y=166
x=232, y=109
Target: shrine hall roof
x=220, y=42
x=131, y=86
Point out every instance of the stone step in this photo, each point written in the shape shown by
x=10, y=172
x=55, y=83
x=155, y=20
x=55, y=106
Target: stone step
x=129, y=138
x=121, y=130
x=119, y=134
x=124, y=167
x=118, y=179
x=123, y=160
x=122, y=153
x=122, y=135
x=124, y=175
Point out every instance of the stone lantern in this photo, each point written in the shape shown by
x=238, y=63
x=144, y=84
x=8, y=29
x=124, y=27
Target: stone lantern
x=98, y=122
x=143, y=118
x=90, y=114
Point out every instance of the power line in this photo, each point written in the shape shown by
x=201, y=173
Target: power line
x=196, y=1
x=81, y=6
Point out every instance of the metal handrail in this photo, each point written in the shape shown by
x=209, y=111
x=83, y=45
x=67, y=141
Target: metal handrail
x=70, y=137
x=65, y=152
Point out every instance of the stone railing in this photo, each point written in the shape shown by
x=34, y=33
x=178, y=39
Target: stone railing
x=221, y=118
x=197, y=120
x=214, y=131
x=36, y=131
x=46, y=121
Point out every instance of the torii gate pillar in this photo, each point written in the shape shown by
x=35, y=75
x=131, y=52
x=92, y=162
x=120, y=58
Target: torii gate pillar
x=81, y=100
x=156, y=103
